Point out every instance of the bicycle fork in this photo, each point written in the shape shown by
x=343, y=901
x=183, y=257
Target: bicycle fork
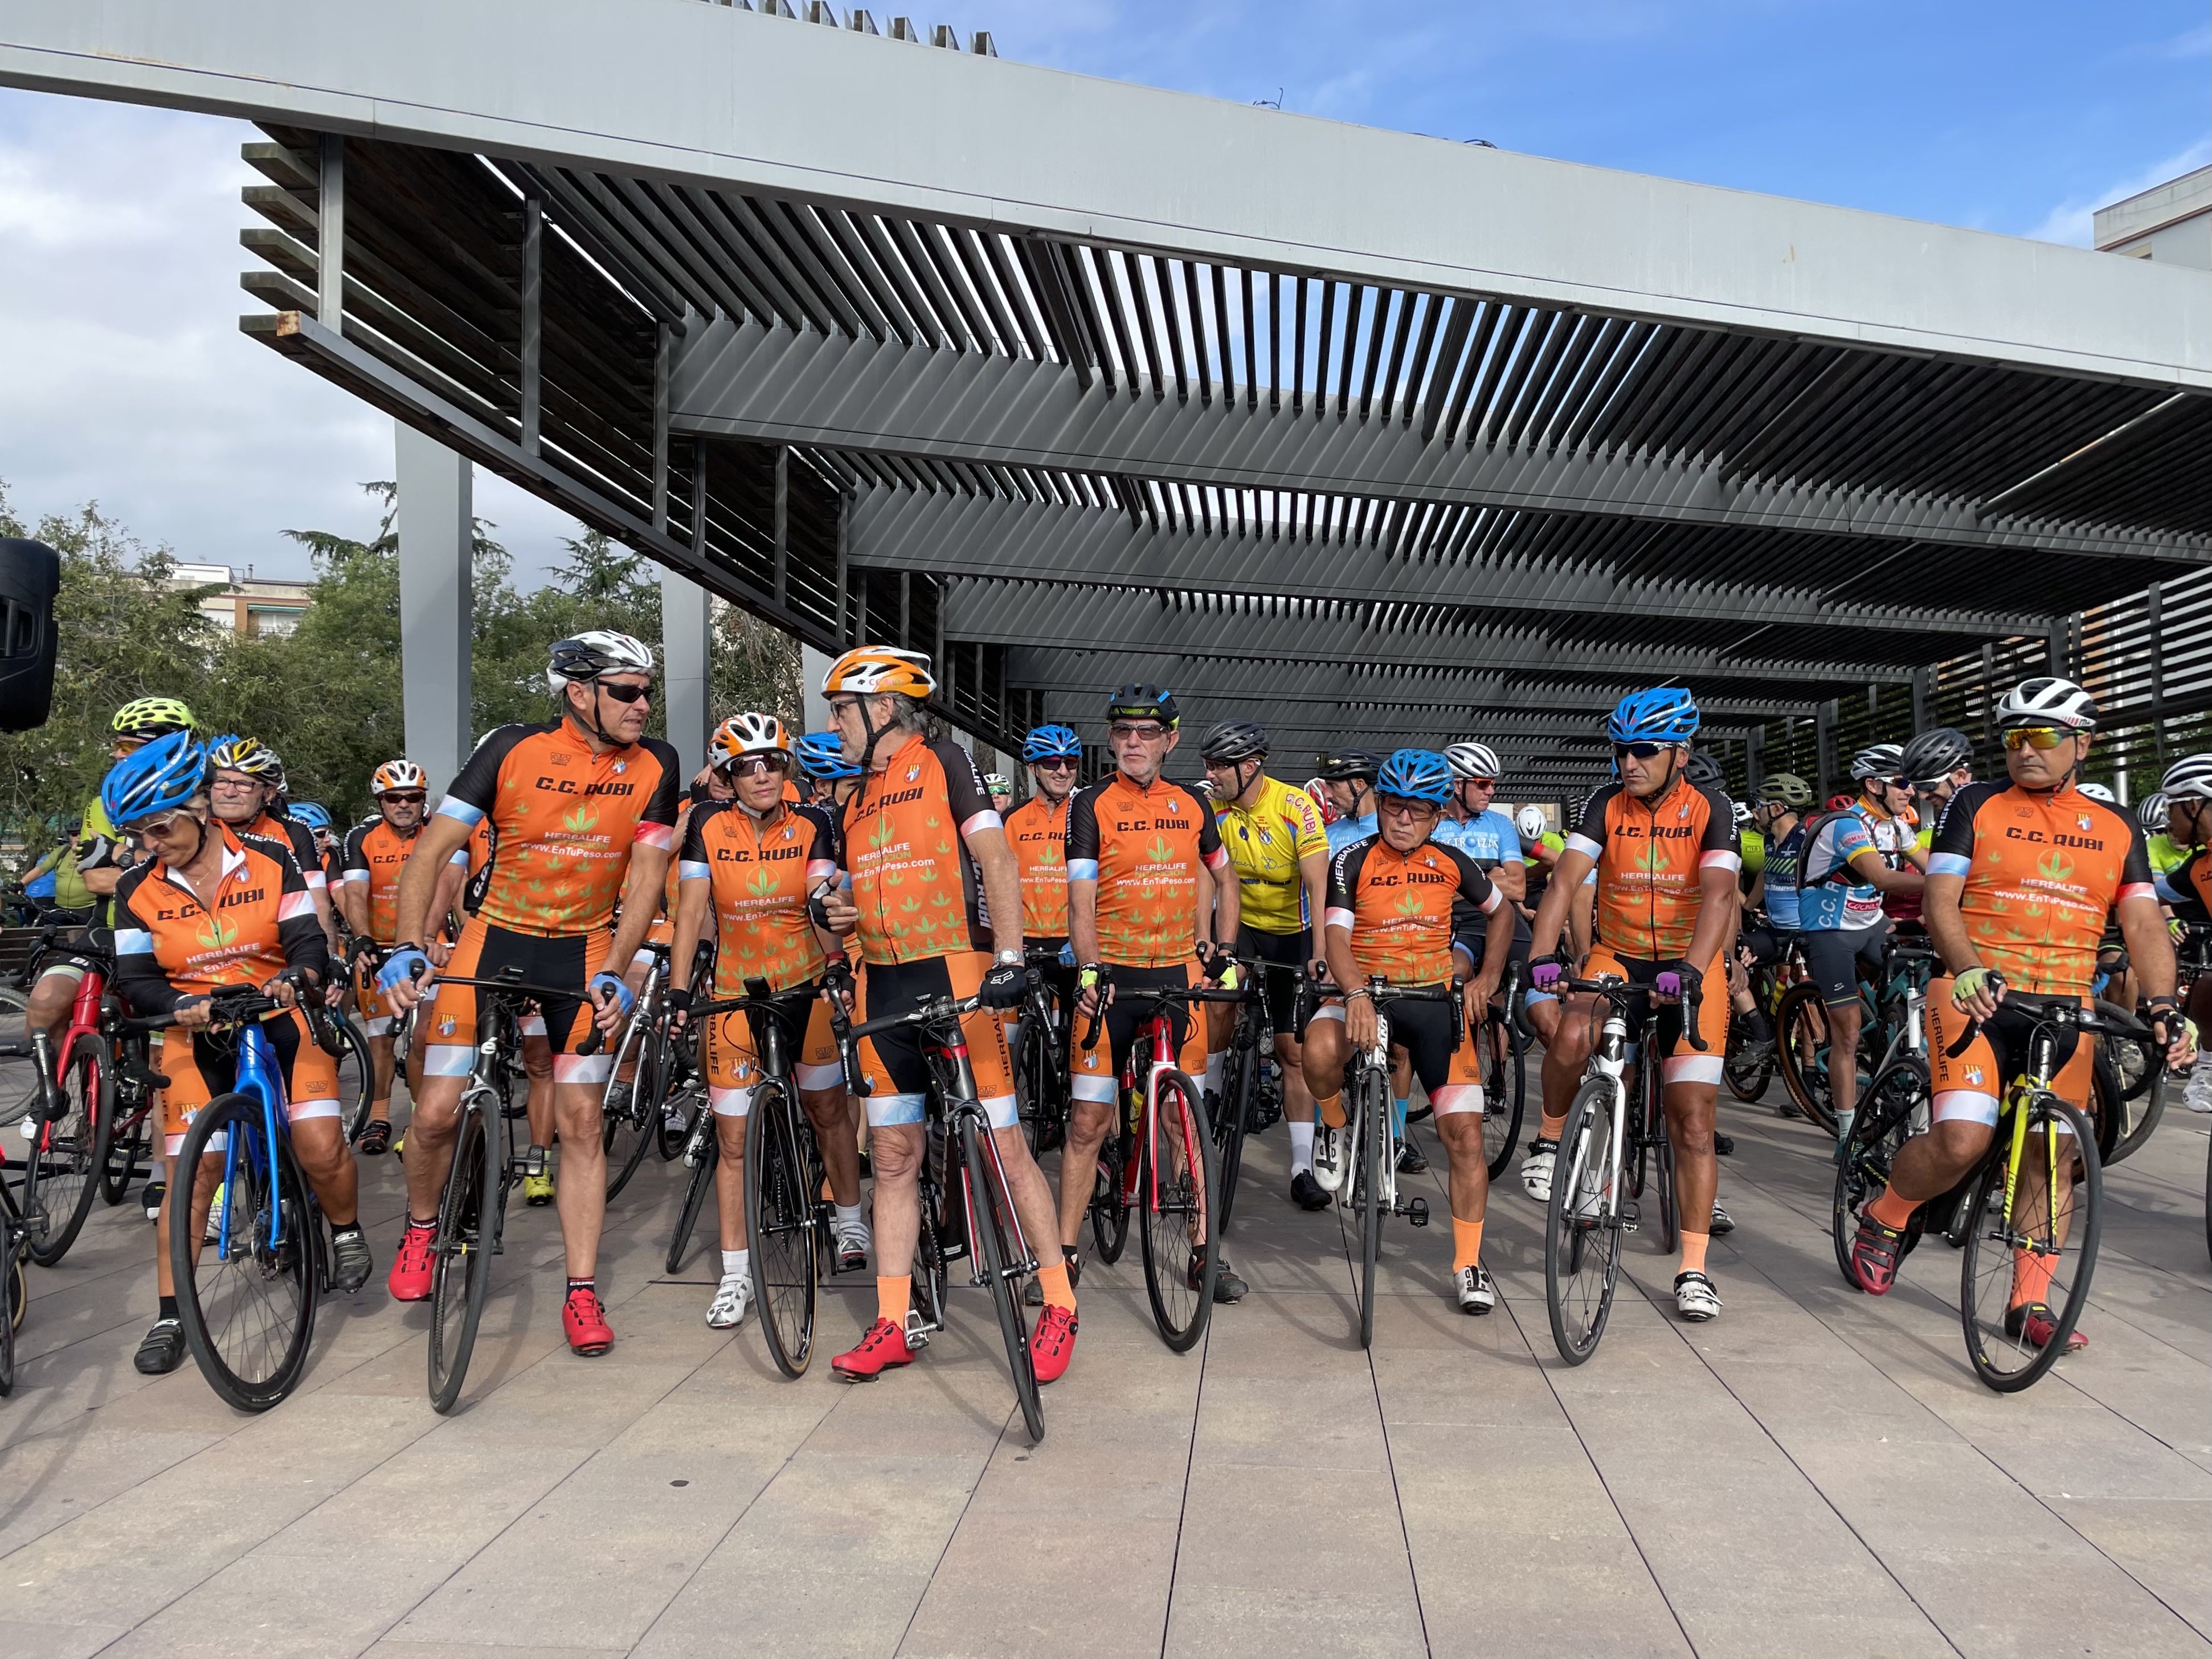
x=1413, y=1211
x=1021, y=1259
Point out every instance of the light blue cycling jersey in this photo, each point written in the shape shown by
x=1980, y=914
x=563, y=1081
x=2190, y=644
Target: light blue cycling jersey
x=1783, y=858
x=1488, y=837
x=1835, y=906
x=1345, y=831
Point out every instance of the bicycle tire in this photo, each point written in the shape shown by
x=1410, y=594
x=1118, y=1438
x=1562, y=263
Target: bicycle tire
x=2085, y=1225
x=2109, y=1098
x=782, y=1227
x=2144, y=1123
x=1043, y=1089
x=1501, y=1120
x=1374, y=1117
x=125, y=1142
x=2207, y=1196
x=1001, y=1273
x=1574, y=1233
x=1236, y=1104
x=626, y=1133
x=1662, y=1146
x=19, y=1092
x=1746, y=1079
x=251, y=1206
x=1170, y=1196
x=697, y=1187
x=467, y=1236
x=1110, y=1214
x=70, y=1155
x=930, y=1274
x=1882, y=1124
x=13, y=1294
x=354, y=1094
x=1805, y=1080
x=680, y=1060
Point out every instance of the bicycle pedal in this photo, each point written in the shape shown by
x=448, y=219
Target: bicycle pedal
x=917, y=1332
x=1416, y=1211
x=533, y=1161
x=1630, y=1218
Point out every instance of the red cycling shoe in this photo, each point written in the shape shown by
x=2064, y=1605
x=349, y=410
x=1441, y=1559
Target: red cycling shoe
x=1875, y=1252
x=585, y=1324
x=411, y=1269
x=881, y=1347
x=1052, y=1345
x=2035, y=1321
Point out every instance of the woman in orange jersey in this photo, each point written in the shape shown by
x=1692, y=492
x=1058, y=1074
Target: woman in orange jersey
x=746, y=873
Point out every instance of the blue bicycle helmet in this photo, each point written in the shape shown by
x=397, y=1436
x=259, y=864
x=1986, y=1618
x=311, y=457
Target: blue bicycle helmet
x=821, y=758
x=1052, y=743
x=313, y=814
x=1415, y=774
x=1665, y=714
x=160, y=777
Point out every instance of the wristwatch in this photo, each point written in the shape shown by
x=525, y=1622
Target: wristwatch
x=1011, y=959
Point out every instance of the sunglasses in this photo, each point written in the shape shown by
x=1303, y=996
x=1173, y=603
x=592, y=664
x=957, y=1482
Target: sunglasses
x=138, y=833
x=396, y=798
x=1391, y=806
x=625, y=693
x=2036, y=737
x=1905, y=784
x=1640, y=750
x=752, y=766
x=1147, y=734
x=234, y=786
x=1064, y=764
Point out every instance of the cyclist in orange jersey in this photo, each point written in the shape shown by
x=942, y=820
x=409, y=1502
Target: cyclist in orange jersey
x=248, y=781
x=936, y=897
x=368, y=897
x=2021, y=878
x=583, y=809
x=1665, y=856
x=1152, y=900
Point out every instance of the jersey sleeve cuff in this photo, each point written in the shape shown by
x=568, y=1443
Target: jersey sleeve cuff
x=690, y=870
x=659, y=835
x=1083, y=869
x=1948, y=864
x=1584, y=845
x=986, y=819
x=1336, y=918
x=453, y=807
x=1718, y=858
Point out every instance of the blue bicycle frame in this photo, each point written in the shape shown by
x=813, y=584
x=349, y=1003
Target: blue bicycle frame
x=259, y=1077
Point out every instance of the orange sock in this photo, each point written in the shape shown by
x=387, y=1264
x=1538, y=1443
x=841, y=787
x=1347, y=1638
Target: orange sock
x=1058, y=1292
x=1467, y=1243
x=1331, y=1110
x=2031, y=1276
x=1693, y=1251
x=1552, y=1127
x=893, y=1297
x=1891, y=1211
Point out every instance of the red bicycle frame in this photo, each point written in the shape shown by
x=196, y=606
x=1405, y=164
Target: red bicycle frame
x=1157, y=1034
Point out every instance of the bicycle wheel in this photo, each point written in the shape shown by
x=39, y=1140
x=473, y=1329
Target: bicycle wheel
x=782, y=1227
x=468, y=1233
x=1746, y=1078
x=2107, y=1095
x=684, y=1090
x=1042, y=1086
x=67, y=1162
x=1504, y=1091
x=930, y=1276
x=246, y=1296
x=1800, y=1053
x=2032, y=1244
x=357, y=1078
x=1372, y=1136
x=626, y=1130
x=126, y=1143
x=1662, y=1147
x=697, y=1189
x=1176, y=1191
x=18, y=1074
x=13, y=1294
x=2144, y=1110
x=1000, y=1266
x=1882, y=1124
x=1109, y=1208
x=1232, y=1113
x=1582, y=1223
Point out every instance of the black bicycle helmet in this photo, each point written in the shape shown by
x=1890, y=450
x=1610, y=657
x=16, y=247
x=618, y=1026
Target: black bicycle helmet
x=1144, y=702
x=1233, y=741
x=1341, y=765
x=1934, y=755
x=1705, y=772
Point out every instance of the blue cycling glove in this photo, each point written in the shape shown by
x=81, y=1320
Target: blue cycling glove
x=622, y=993
x=407, y=962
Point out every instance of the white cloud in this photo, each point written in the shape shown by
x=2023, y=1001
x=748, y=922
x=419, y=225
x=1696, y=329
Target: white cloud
x=127, y=380
x=2072, y=221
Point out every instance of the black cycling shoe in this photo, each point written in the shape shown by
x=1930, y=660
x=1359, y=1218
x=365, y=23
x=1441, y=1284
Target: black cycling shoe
x=1227, y=1286
x=162, y=1349
x=1410, y=1161
x=350, y=1260
x=1307, y=1193
x=1724, y=1146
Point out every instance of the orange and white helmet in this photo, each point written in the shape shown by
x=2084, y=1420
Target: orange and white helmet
x=397, y=775
x=749, y=734
x=876, y=670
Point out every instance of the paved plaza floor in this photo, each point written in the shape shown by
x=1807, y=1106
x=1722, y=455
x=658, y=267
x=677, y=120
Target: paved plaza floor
x=1815, y=1473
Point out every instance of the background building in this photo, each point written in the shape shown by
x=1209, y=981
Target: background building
x=247, y=606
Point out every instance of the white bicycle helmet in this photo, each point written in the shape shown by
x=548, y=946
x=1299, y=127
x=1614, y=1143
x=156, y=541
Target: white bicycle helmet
x=2189, y=778
x=1472, y=761
x=2097, y=791
x=1742, y=815
x=2047, y=701
x=749, y=734
x=397, y=775
x=2150, y=812
x=1881, y=760
x=1530, y=822
x=588, y=656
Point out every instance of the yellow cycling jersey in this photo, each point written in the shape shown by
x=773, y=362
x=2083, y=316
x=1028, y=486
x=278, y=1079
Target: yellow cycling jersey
x=1265, y=842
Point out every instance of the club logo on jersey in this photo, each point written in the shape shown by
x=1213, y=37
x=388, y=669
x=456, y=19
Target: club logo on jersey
x=912, y=773
x=621, y=766
x=446, y=1026
x=2085, y=822
x=1974, y=1076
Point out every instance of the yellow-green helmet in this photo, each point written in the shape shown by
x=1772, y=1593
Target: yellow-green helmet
x=147, y=718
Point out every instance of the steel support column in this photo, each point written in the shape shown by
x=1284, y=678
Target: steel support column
x=687, y=659
x=330, y=233
x=436, y=602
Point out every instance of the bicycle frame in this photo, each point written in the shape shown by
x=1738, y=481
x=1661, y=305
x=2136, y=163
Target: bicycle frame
x=257, y=1076
x=1609, y=1058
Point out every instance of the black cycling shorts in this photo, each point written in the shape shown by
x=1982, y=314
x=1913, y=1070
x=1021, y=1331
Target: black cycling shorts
x=1276, y=951
x=1832, y=955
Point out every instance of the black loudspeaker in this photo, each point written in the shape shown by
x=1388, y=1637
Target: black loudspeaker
x=30, y=576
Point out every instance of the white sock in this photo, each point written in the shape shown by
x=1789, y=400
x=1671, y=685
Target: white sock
x=1301, y=1148
x=1215, y=1065
x=849, y=1219
x=736, y=1264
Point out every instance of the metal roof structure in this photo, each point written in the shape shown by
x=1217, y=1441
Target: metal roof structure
x=1376, y=437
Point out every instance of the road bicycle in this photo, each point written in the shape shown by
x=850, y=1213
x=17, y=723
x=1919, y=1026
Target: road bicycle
x=14, y=1252
x=999, y=1254
x=249, y=1251
x=1504, y=1041
x=68, y=1134
x=1243, y=1106
x=1801, y=1028
x=1746, y=1074
x=472, y=1209
x=1370, y=1131
x=1160, y=1162
x=1599, y=1171
x=630, y=1112
x=1041, y=1055
x=2036, y=1194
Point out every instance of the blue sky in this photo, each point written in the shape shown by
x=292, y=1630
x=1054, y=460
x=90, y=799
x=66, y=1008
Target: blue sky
x=126, y=379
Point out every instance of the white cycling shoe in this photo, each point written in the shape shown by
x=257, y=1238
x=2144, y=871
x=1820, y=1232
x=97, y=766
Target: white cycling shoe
x=1536, y=1169
x=1695, y=1298
x=1331, y=1148
x=854, y=1243
x=731, y=1297
x=1476, y=1291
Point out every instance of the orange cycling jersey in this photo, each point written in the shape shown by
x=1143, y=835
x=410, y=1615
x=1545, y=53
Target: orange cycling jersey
x=1143, y=848
x=1650, y=856
x=376, y=854
x=1398, y=906
x=918, y=892
x=1037, y=830
x=2042, y=870
x=168, y=947
x=563, y=822
x=759, y=876
x=287, y=833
